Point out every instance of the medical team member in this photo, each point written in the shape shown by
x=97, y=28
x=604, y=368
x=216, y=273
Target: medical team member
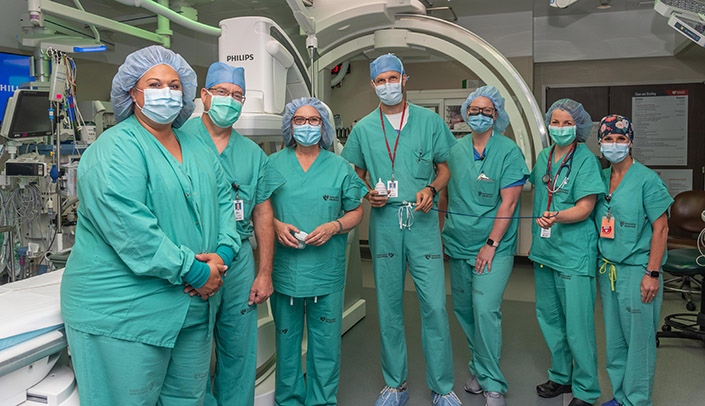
x=564, y=250
x=313, y=210
x=247, y=169
x=480, y=235
x=633, y=222
x=399, y=144
x=152, y=199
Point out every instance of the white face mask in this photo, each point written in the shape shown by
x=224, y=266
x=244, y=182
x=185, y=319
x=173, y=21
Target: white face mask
x=390, y=94
x=615, y=152
x=162, y=105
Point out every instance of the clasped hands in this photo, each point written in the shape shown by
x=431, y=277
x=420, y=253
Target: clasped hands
x=215, y=279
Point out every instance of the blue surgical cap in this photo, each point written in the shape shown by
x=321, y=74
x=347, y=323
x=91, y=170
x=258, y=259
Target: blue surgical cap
x=583, y=122
x=136, y=65
x=491, y=92
x=386, y=63
x=327, y=130
x=220, y=72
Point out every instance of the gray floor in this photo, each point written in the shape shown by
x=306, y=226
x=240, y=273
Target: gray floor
x=680, y=369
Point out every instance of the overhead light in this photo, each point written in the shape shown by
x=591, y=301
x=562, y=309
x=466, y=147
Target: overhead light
x=561, y=3
x=604, y=4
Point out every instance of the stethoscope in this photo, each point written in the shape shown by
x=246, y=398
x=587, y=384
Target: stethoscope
x=566, y=163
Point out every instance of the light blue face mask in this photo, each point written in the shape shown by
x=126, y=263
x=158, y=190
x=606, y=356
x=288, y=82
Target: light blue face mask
x=480, y=123
x=562, y=136
x=615, y=152
x=390, y=94
x=162, y=105
x=307, y=134
x=224, y=110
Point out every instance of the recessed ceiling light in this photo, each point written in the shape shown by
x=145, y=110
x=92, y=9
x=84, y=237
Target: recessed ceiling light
x=604, y=5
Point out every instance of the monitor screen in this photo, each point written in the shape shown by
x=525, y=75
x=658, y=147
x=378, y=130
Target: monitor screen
x=14, y=70
x=27, y=115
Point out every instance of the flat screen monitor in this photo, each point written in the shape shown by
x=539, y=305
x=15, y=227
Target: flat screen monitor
x=27, y=115
x=14, y=71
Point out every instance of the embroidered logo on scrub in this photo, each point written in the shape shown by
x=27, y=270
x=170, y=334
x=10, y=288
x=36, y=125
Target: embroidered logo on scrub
x=432, y=256
x=327, y=320
x=331, y=198
x=386, y=255
x=248, y=309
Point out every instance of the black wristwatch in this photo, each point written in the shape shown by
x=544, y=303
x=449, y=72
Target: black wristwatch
x=492, y=243
x=653, y=274
x=434, y=192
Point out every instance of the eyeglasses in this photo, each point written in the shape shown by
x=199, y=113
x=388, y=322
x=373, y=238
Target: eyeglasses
x=219, y=91
x=474, y=110
x=300, y=120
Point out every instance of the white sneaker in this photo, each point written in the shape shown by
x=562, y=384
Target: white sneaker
x=472, y=385
x=494, y=399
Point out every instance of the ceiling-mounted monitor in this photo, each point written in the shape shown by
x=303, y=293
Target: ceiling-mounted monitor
x=27, y=115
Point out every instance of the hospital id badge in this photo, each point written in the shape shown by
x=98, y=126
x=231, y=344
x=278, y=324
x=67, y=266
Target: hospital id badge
x=545, y=233
x=607, y=227
x=239, y=210
x=393, y=188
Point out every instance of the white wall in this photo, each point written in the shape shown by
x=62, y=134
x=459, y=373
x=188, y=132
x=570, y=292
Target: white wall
x=622, y=34
x=510, y=33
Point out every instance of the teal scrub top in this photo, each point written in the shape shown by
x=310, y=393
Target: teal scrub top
x=473, y=200
x=142, y=219
x=639, y=199
x=572, y=248
x=247, y=168
x=424, y=141
x=307, y=200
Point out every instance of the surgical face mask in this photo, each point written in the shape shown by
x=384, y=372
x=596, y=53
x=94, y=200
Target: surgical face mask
x=307, y=134
x=480, y=123
x=162, y=105
x=615, y=152
x=224, y=110
x=389, y=94
x=562, y=136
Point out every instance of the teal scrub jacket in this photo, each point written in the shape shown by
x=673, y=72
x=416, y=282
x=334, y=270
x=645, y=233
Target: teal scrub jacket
x=416, y=152
x=308, y=199
x=473, y=201
x=636, y=203
x=246, y=166
x=142, y=219
x=572, y=248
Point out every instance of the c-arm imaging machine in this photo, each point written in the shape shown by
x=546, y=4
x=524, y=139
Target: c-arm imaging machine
x=276, y=73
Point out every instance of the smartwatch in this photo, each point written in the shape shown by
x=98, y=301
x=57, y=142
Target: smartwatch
x=653, y=274
x=492, y=243
x=434, y=192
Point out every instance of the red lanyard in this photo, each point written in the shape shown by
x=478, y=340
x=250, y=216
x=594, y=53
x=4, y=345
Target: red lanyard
x=396, y=143
x=552, y=182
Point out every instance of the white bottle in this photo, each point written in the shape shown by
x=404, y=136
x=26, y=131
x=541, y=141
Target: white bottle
x=381, y=188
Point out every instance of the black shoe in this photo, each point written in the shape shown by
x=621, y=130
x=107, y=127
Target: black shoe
x=551, y=389
x=578, y=402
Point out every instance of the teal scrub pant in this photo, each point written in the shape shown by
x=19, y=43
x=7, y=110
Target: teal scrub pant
x=116, y=372
x=236, y=336
x=420, y=246
x=323, y=316
x=477, y=301
x=630, y=330
x=565, y=308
